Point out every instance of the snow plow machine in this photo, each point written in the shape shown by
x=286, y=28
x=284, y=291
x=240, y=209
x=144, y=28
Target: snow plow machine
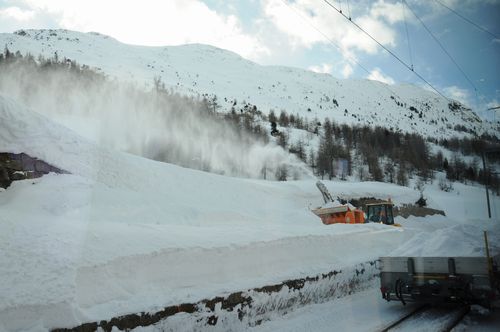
x=338, y=211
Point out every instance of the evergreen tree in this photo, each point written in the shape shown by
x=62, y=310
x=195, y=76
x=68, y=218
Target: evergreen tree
x=374, y=167
x=389, y=171
x=272, y=117
x=7, y=53
x=445, y=164
x=361, y=173
x=299, y=150
x=312, y=159
x=281, y=173
x=284, y=121
x=439, y=161
x=402, y=177
x=274, y=129
x=283, y=140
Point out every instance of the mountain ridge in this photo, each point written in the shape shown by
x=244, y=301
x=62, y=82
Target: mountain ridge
x=204, y=70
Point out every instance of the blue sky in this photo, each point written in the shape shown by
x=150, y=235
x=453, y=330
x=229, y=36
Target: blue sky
x=305, y=33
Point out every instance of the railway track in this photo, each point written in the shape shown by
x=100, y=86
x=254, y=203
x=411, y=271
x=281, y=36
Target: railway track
x=429, y=318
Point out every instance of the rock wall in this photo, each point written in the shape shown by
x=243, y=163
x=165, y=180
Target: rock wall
x=404, y=211
x=20, y=166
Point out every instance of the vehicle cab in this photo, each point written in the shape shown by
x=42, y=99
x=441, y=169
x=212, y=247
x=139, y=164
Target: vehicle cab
x=380, y=213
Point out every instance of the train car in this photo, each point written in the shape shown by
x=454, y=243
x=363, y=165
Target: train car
x=471, y=280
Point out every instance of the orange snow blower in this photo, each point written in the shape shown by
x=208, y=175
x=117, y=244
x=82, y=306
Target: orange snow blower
x=342, y=214
x=334, y=212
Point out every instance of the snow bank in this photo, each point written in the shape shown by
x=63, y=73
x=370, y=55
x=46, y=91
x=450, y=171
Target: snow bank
x=123, y=234
x=440, y=236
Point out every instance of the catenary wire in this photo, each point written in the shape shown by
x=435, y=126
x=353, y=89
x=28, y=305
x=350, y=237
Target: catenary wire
x=325, y=36
x=442, y=47
x=336, y=45
x=349, y=9
x=408, y=37
x=387, y=50
x=467, y=20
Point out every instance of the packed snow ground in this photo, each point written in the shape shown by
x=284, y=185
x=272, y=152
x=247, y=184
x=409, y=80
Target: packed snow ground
x=123, y=234
x=364, y=311
x=367, y=311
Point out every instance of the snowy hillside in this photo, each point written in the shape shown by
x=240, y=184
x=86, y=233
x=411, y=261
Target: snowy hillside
x=119, y=233
x=124, y=234
x=205, y=70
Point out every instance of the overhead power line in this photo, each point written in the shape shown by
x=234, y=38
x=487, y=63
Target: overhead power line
x=408, y=38
x=325, y=36
x=386, y=49
x=467, y=20
x=349, y=9
x=332, y=42
x=441, y=45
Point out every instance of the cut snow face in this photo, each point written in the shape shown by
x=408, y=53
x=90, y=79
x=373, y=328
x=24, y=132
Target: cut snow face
x=157, y=124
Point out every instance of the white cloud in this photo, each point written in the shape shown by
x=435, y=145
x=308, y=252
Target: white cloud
x=290, y=20
x=392, y=12
x=307, y=22
x=16, y=13
x=281, y=27
x=324, y=68
x=377, y=75
x=153, y=23
x=377, y=29
x=457, y=93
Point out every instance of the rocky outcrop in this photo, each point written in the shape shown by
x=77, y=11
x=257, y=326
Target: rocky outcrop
x=414, y=210
x=20, y=166
x=405, y=210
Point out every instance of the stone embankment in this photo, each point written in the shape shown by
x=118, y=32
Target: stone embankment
x=20, y=166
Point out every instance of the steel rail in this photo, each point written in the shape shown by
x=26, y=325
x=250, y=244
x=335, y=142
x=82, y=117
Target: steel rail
x=461, y=313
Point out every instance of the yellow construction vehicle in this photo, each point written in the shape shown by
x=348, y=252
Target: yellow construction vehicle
x=380, y=212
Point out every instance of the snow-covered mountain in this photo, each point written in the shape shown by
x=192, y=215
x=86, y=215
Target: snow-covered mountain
x=206, y=70
x=119, y=234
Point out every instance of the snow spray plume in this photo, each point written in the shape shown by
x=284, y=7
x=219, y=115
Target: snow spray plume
x=157, y=124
